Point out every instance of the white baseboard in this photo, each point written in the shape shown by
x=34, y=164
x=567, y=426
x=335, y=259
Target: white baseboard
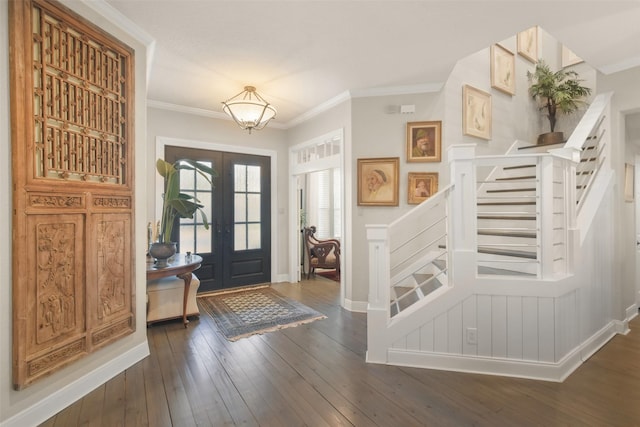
x=55, y=402
x=282, y=278
x=546, y=371
x=631, y=312
x=356, y=306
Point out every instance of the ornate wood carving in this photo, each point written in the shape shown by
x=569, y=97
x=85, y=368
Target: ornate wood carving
x=71, y=115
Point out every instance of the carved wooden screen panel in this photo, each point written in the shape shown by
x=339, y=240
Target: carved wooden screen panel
x=72, y=158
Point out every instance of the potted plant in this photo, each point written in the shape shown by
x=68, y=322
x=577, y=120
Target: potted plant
x=176, y=205
x=559, y=91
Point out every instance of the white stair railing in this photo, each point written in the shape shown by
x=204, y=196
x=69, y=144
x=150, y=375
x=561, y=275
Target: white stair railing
x=448, y=239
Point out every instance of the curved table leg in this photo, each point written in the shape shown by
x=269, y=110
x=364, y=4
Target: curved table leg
x=187, y=283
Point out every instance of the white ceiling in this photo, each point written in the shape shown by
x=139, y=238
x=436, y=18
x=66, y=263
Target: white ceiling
x=303, y=54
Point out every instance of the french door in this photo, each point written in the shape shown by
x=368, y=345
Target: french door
x=236, y=249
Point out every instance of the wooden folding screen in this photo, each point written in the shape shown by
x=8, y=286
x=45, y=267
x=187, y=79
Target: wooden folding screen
x=72, y=163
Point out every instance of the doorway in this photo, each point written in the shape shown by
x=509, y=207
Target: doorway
x=236, y=248
x=317, y=194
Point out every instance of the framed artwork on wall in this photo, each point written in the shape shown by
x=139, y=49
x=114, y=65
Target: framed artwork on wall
x=503, y=69
x=476, y=112
x=629, y=177
x=424, y=141
x=378, y=181
x=421, y=186
x=528, y=44
x=569, y=58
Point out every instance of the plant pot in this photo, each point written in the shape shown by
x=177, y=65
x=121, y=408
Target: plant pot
x=162, y=252
x=550, y=138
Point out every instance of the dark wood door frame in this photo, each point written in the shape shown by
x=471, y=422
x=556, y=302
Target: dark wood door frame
x=162, y=142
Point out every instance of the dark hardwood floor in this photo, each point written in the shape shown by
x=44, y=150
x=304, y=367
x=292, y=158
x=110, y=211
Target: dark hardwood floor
x=315, y=375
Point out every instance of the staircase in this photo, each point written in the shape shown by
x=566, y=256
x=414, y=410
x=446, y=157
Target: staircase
x=487, y=282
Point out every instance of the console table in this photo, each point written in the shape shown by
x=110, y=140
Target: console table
x=181, y=266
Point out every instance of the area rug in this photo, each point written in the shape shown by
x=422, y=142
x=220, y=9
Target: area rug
x=242, y=313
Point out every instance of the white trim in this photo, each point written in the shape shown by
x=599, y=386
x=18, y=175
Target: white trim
x=556, y=372
x=631, y=312
x=620, y=66
x=356, y=306
x=60, y=399
x=161, y=105
x=295, y=170
x=325, y=106
x=315, y=111
x=162, y=141
x=397, y=90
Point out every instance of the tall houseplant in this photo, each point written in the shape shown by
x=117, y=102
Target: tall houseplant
x=559, y=91
x=176, y=204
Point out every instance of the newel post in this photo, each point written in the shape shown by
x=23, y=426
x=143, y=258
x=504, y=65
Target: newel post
x=463, y=212
x=379, y=292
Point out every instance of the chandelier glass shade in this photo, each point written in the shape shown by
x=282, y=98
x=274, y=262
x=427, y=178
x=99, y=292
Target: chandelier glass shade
x=249, y=110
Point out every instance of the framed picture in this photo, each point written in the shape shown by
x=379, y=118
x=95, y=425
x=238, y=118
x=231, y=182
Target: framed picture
x=421, y=185
x=476, y=112
x=569, y=58
x=528, y=44
x=629, y=172
x=378, y=181
x=424, y=141
x=503, y=69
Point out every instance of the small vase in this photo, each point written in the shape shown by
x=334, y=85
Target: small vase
x=162, y=252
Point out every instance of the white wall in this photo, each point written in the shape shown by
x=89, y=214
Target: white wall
x=377, y=133
x=626, y=87
x=49, y=395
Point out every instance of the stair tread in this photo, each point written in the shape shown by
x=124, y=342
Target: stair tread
x=506, y=203
x=511, y=190
x=526, y=234
x=518, y=167
x=507, y=252
x=515, y=178
x=502, y=272
x=504, y=252
x=507, y=217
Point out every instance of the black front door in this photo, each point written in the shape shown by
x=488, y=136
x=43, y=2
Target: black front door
x=236, y=249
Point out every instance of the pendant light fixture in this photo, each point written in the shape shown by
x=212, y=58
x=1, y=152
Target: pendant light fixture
x=249, y=110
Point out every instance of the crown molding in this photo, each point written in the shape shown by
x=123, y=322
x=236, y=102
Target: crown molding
x=364, y=93
x=397, y=90
x=161, y=105
x=621, y=66
x=325, y=106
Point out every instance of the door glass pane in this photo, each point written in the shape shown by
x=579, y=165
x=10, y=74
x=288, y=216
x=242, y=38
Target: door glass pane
x=201, y=182
x=240, y=178
x=253, y=207
x=253, y=241
x=204, y=199
x=240, y=208
x=187, y=238
x=203, y=240
x=253, y=179
x=186, y=179
x=240, y=237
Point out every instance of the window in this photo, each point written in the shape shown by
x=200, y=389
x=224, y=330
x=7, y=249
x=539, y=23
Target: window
x=193, y=236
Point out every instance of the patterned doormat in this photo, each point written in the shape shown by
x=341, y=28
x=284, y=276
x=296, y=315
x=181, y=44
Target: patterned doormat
x=242, y=313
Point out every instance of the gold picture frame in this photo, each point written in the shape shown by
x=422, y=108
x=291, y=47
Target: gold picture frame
x=421, y=186
x=424, y=141
x=476, y=112
x=378, y=181
x=503, y=69
x=527, y=41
